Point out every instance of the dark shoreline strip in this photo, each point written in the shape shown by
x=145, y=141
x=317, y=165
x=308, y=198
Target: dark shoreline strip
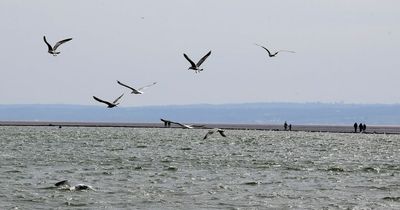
x=306, y=128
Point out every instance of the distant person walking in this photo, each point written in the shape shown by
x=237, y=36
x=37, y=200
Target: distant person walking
x=355, y=127
x=360, y=127
x=364, y=127
x=285, y=125
x=290, y=127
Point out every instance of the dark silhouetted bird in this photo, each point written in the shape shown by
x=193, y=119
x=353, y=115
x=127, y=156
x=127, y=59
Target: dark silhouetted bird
x=52, y=50
x=136, y=91
x=109, y=104
x=196, y=67
x=274, y=54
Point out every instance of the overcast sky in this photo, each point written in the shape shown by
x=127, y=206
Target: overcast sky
x=346, y=51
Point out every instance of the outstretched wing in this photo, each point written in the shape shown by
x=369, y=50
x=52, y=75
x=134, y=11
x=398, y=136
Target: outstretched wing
x=144, y=87
x=269, y=53
x=133, y=89
x=203, y=59
x=182, y=125
x=116, y=100
x=190, y=61
x=61, y=42
x=62, y=183
x=286, y=51
x=165, y=121
x=48, y=45
x=210, y=132
x=221, y=132
x=102, y=101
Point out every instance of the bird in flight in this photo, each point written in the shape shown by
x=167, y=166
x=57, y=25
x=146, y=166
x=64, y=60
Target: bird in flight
x=109, y=104
x=212, y=131
x=196, y=67
x=167, y=123
x=138, y=90
x=52, y=50
x=184, y=126
x=274, y=54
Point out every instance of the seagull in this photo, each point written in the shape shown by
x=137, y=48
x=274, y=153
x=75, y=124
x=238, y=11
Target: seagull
x=212, y=131
x=184, y=126
x=110, y=105
x=196, y=67
x=52, y=50
x=65, y=185
x=136, y=91
x=168, y=123
x=274, y=54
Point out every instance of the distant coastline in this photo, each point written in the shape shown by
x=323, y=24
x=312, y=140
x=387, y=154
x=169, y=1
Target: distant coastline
x=266, y=127
x=247, y=114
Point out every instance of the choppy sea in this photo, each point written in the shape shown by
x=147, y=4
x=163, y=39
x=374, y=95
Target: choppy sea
x=137, y=168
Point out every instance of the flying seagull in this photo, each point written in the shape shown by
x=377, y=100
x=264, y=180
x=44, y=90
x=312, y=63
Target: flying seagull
x=136, y=91
x=274, y=54
x=167, y=123
x=109, y=104
x=212, y=131
x=184, y=126
x=52, y=50
x=196, y=67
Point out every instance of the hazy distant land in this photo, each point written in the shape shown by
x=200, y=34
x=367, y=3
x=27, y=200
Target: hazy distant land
x=252, y=113
x=307, y=128
x=261, y=116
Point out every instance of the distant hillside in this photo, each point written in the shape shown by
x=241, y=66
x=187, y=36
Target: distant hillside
x=253, y=113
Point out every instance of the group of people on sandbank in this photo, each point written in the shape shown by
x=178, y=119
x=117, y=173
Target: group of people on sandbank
x=287, y=127
x=361, y=127
x=358, y=128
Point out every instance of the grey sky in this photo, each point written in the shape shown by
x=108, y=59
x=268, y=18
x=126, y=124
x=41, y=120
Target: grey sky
x=347, y=51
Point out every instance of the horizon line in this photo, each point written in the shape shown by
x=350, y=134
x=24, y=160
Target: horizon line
x=207, y=104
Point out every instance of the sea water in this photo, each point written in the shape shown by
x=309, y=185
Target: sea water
x=138, y=168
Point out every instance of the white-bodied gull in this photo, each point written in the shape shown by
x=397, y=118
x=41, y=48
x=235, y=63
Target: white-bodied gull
x=167, y=123
x=184, y=126
x=109, y=104
x=196, y=66
x=52, y=50
x=136, y=91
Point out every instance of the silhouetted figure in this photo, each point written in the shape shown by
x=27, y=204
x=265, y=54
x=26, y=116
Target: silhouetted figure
x=355, y=127
x=285, y=125
x=360, y=127
x=290, y=127
x=59, y=126
x=364, y=127
x=167, y=123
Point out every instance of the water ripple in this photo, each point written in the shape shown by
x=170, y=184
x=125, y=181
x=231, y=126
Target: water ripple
x=133, y=168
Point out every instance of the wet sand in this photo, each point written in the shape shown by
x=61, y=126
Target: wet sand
x=307, y=128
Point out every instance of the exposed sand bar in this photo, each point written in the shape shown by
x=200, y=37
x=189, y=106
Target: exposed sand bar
x=308, y=128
